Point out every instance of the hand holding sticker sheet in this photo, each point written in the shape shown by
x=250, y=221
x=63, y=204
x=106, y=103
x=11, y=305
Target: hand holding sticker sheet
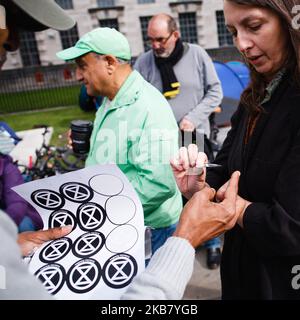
x=105, y=249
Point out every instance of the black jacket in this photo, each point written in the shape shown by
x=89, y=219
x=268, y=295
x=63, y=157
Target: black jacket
x=257, y=261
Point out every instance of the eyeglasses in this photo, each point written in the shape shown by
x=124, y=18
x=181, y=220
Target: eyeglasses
x=160, y=40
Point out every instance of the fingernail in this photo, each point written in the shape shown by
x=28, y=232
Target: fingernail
x=69, y=228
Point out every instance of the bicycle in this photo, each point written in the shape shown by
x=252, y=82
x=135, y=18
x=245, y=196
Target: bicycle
x=51, y=160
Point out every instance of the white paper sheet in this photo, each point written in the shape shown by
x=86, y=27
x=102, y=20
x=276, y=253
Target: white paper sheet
x=105, y=250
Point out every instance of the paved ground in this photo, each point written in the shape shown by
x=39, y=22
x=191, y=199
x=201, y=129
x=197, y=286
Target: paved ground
x=205, y=283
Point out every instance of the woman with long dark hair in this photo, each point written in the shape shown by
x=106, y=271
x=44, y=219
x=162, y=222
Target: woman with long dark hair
x=262, y=252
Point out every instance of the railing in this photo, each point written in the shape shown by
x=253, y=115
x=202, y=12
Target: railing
x=225, y=54
x=37, y=88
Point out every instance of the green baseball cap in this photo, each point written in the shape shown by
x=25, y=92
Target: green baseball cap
x=100, y=40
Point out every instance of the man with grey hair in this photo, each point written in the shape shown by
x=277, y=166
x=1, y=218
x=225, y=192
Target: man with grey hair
x=186, y=76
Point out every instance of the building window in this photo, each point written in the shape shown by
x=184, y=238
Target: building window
x=65, y=4
x=224, y=36
x=69, y=37
x=144, y=26
x=109, y=23
x=106, y=3
x=145, y=1
x=188, y=27
x=28, y=49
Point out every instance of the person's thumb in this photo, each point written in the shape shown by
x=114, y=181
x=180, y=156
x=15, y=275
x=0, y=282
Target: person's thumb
x=207, y=193
x=55, y=233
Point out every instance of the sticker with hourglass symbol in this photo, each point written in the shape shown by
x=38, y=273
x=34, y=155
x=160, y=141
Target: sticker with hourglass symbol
x=119, y=270
x=48, y=199
x=88, y=244
x=77, y=192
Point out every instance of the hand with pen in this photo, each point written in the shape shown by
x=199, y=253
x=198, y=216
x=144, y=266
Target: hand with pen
x=202, y=218
x=189, y=169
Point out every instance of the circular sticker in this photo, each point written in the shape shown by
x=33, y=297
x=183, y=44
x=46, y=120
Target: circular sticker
x=61, y=218
x=76, y=192
x=91, y=216
x=121, y=239
x=84, y=275
x=106, y=184
x=52, y=276
x=48, y=199
x=88, y=244
x=120, y=209
x=55, y=250
x=119, y=270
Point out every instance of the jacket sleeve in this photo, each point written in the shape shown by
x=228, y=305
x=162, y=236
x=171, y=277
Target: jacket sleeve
x=20, y=284
x=15, y=206
x=165, y=277
x=213, y=93
x=167, y=274
x=273, y=229
x=154, y=181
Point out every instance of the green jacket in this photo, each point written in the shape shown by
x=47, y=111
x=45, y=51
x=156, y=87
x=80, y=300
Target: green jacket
x=139, y=133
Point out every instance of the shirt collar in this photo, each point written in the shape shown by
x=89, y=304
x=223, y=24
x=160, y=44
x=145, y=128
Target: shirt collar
x=129, y=91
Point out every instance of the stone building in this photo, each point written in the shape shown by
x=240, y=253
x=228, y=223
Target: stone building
x=200, y=21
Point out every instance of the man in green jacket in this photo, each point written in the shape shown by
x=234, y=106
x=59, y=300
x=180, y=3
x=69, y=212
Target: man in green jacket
x=134, y=127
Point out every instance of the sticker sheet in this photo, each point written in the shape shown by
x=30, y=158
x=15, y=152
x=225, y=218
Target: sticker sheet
x=105, y=249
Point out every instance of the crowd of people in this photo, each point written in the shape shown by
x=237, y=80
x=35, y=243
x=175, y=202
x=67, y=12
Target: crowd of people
x=251, y=197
